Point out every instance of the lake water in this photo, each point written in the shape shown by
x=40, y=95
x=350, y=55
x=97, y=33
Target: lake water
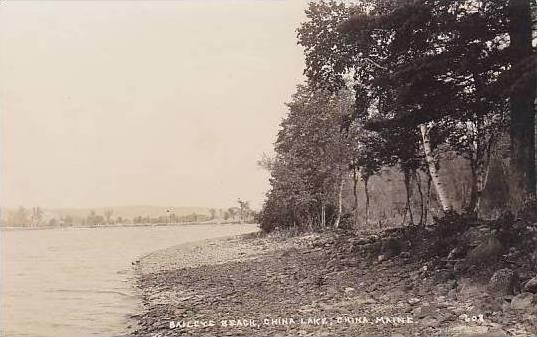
x=78, y=281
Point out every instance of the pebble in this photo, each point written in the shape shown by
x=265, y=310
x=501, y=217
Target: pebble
x=413, y=300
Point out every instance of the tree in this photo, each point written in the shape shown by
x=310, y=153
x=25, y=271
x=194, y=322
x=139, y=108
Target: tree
x=93, y=219
x=37, y=216
x=244, y=209
x=212, y=212
x=67, y=220
x=522, y=103
x=266, y=162
x=312, y=161
x=232, y=211
x=20, y=217
x=333, y=56
x=108, y=215
x=433, y=66
x=407, y=84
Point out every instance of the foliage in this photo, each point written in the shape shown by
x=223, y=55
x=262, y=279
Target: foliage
x=312, y=153
x=429, y=79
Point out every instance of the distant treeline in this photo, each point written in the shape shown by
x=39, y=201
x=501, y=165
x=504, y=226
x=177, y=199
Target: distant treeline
x=38, y=217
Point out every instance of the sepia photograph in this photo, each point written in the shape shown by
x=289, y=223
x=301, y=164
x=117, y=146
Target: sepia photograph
x=268, y=168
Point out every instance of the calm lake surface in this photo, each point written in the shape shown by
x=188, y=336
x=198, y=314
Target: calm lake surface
x=78, y=281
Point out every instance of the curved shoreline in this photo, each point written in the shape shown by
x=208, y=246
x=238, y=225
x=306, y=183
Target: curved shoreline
x=187, y=255
x=191, y=255
x=309, y=285
x=184, y=255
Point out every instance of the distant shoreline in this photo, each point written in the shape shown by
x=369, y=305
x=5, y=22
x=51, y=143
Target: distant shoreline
x=14, y=228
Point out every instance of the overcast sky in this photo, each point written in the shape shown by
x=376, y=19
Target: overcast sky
x=142, y=102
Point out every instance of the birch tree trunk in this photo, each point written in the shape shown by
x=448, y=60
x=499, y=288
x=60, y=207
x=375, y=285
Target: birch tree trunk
x=445, y=202
x=428, y=203
x=417, y=179
x=473, y=202
x=323, y=215
x=339, y=201
x=480, y=161
x=480, y=170
x=355, y=194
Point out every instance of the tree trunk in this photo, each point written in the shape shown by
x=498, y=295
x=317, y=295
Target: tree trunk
x=480, y=169
x=443, y=197
x=428, y=203
x=473, y=203
x=366, y=189
x=323, y=215
x=522, y=163
x=355, y=193
x=408, y=188
x=339, y=201
x=417, y=179
x=484, y=138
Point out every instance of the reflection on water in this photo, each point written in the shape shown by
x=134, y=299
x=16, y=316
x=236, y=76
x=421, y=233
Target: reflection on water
x=78, y=281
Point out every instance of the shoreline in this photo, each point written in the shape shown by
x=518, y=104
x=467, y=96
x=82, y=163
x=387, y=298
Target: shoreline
x=255, y=285
x=15, y=228
x=159, y=261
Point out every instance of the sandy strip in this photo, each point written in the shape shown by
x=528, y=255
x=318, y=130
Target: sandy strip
x=209, y=252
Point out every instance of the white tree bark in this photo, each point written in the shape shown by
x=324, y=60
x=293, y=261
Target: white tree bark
x=339, y=201
x=323, y=216
x=483, y=140
x=445, y=202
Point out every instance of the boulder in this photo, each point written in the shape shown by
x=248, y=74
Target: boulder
x=471, y=237
x=443, y=276
x=504, y=282
x=531, y=286
x=424, y=311
x=391, y=247
x=524, y=301
x=487, y=252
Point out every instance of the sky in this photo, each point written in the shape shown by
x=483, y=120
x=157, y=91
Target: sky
x=110, y=103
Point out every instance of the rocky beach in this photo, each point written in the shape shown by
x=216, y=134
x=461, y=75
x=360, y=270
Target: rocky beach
x=328, y=284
